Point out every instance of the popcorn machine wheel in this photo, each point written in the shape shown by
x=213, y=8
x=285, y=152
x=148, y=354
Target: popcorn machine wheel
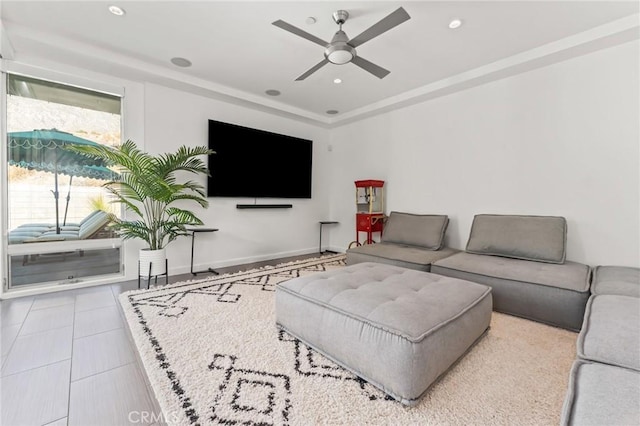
x=369, y=210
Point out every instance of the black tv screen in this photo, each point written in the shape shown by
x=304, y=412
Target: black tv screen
x=255, y=163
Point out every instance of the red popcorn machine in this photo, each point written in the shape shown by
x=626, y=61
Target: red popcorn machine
x=369, y=210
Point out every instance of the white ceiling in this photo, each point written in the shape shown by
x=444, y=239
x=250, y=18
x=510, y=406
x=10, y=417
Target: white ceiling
x=237, y=54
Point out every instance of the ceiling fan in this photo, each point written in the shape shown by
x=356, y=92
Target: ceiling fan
x=341, y=49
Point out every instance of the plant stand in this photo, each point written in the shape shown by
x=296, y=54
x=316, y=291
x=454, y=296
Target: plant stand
x=166, y=274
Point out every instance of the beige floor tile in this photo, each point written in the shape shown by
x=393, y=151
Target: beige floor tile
x=97, y=321
x=59, y=422
x=101, y=352
x=14, y=311
x=114, y=397
x=47, y=319
x=51, y=300
x=98, y=297
x=39, y=349
x=36, y=397
x=8, y=335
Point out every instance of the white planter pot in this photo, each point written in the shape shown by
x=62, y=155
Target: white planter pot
x=157, y=259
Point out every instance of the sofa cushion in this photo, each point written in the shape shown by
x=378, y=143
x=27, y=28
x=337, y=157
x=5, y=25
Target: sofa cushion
x=620, y=280
x=397, y=254
x=554, y=294
x=537, y=238
x=600, y=394
x=611, y=331
x=423, y=230
x=569, y=275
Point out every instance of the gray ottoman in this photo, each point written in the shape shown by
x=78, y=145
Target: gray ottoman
x=399, y=329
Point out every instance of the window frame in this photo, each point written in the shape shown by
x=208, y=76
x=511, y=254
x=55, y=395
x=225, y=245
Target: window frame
x=7, y=250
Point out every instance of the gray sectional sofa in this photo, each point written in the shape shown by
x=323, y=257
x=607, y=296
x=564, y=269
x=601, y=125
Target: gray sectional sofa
x=523, y=259
x=412, y=241
x=604, y=383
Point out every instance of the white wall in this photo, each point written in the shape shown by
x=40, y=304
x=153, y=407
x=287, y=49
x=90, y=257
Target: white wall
x=173, y=118
x=560, y=140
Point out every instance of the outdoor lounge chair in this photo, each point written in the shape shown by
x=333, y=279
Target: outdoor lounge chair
x=92, y=226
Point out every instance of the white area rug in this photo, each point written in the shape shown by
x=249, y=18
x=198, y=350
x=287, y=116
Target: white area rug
x=213, y=355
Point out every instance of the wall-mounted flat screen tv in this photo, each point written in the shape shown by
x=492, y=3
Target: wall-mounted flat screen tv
x=256, y=163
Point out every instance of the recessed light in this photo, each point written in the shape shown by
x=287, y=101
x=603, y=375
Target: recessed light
x=118, y=11
x=181, y=62
x=332, y=111
x=272, y=92
x=337, y=81
x=310, y=20
x=455, y=23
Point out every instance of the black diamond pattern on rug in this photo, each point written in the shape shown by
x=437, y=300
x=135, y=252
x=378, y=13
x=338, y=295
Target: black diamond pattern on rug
x=266, y=282
x=309, y=362
x=247, y=396
x=222, y=292
x=169, y=305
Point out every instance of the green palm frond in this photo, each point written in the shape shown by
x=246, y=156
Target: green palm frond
x=148, y=187
x=183, y=216
x=132, y=229
x=198, y=199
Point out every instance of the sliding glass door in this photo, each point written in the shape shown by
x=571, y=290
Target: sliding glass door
x=57, y=212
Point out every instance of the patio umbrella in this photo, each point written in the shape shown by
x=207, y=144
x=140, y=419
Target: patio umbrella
x=44, y=150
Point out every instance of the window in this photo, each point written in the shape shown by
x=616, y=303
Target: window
x=57, y=210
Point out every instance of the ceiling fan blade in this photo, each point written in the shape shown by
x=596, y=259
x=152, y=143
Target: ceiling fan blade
x=370, y=66
x=297, y=31
x=313, y=69
x=385, y=24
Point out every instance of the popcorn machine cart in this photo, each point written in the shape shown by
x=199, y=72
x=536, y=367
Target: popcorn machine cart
x=369, y=209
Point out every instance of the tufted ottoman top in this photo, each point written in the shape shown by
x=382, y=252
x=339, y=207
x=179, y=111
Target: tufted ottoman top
x=408, y=303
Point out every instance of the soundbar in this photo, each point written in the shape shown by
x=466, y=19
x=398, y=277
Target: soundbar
x=264, y=206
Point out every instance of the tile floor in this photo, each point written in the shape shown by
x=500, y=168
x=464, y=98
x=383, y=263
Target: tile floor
x=67, y=358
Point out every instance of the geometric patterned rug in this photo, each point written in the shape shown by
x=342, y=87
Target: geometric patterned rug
x=213, y=355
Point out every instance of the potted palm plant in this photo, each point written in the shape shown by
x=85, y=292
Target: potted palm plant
x=149, y=188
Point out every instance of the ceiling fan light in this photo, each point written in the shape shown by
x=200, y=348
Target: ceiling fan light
x=340, y=57
x=340, y=53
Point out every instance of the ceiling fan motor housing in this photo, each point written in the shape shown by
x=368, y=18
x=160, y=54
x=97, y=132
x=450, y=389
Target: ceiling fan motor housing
x=340, y=16
x=339, y=51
